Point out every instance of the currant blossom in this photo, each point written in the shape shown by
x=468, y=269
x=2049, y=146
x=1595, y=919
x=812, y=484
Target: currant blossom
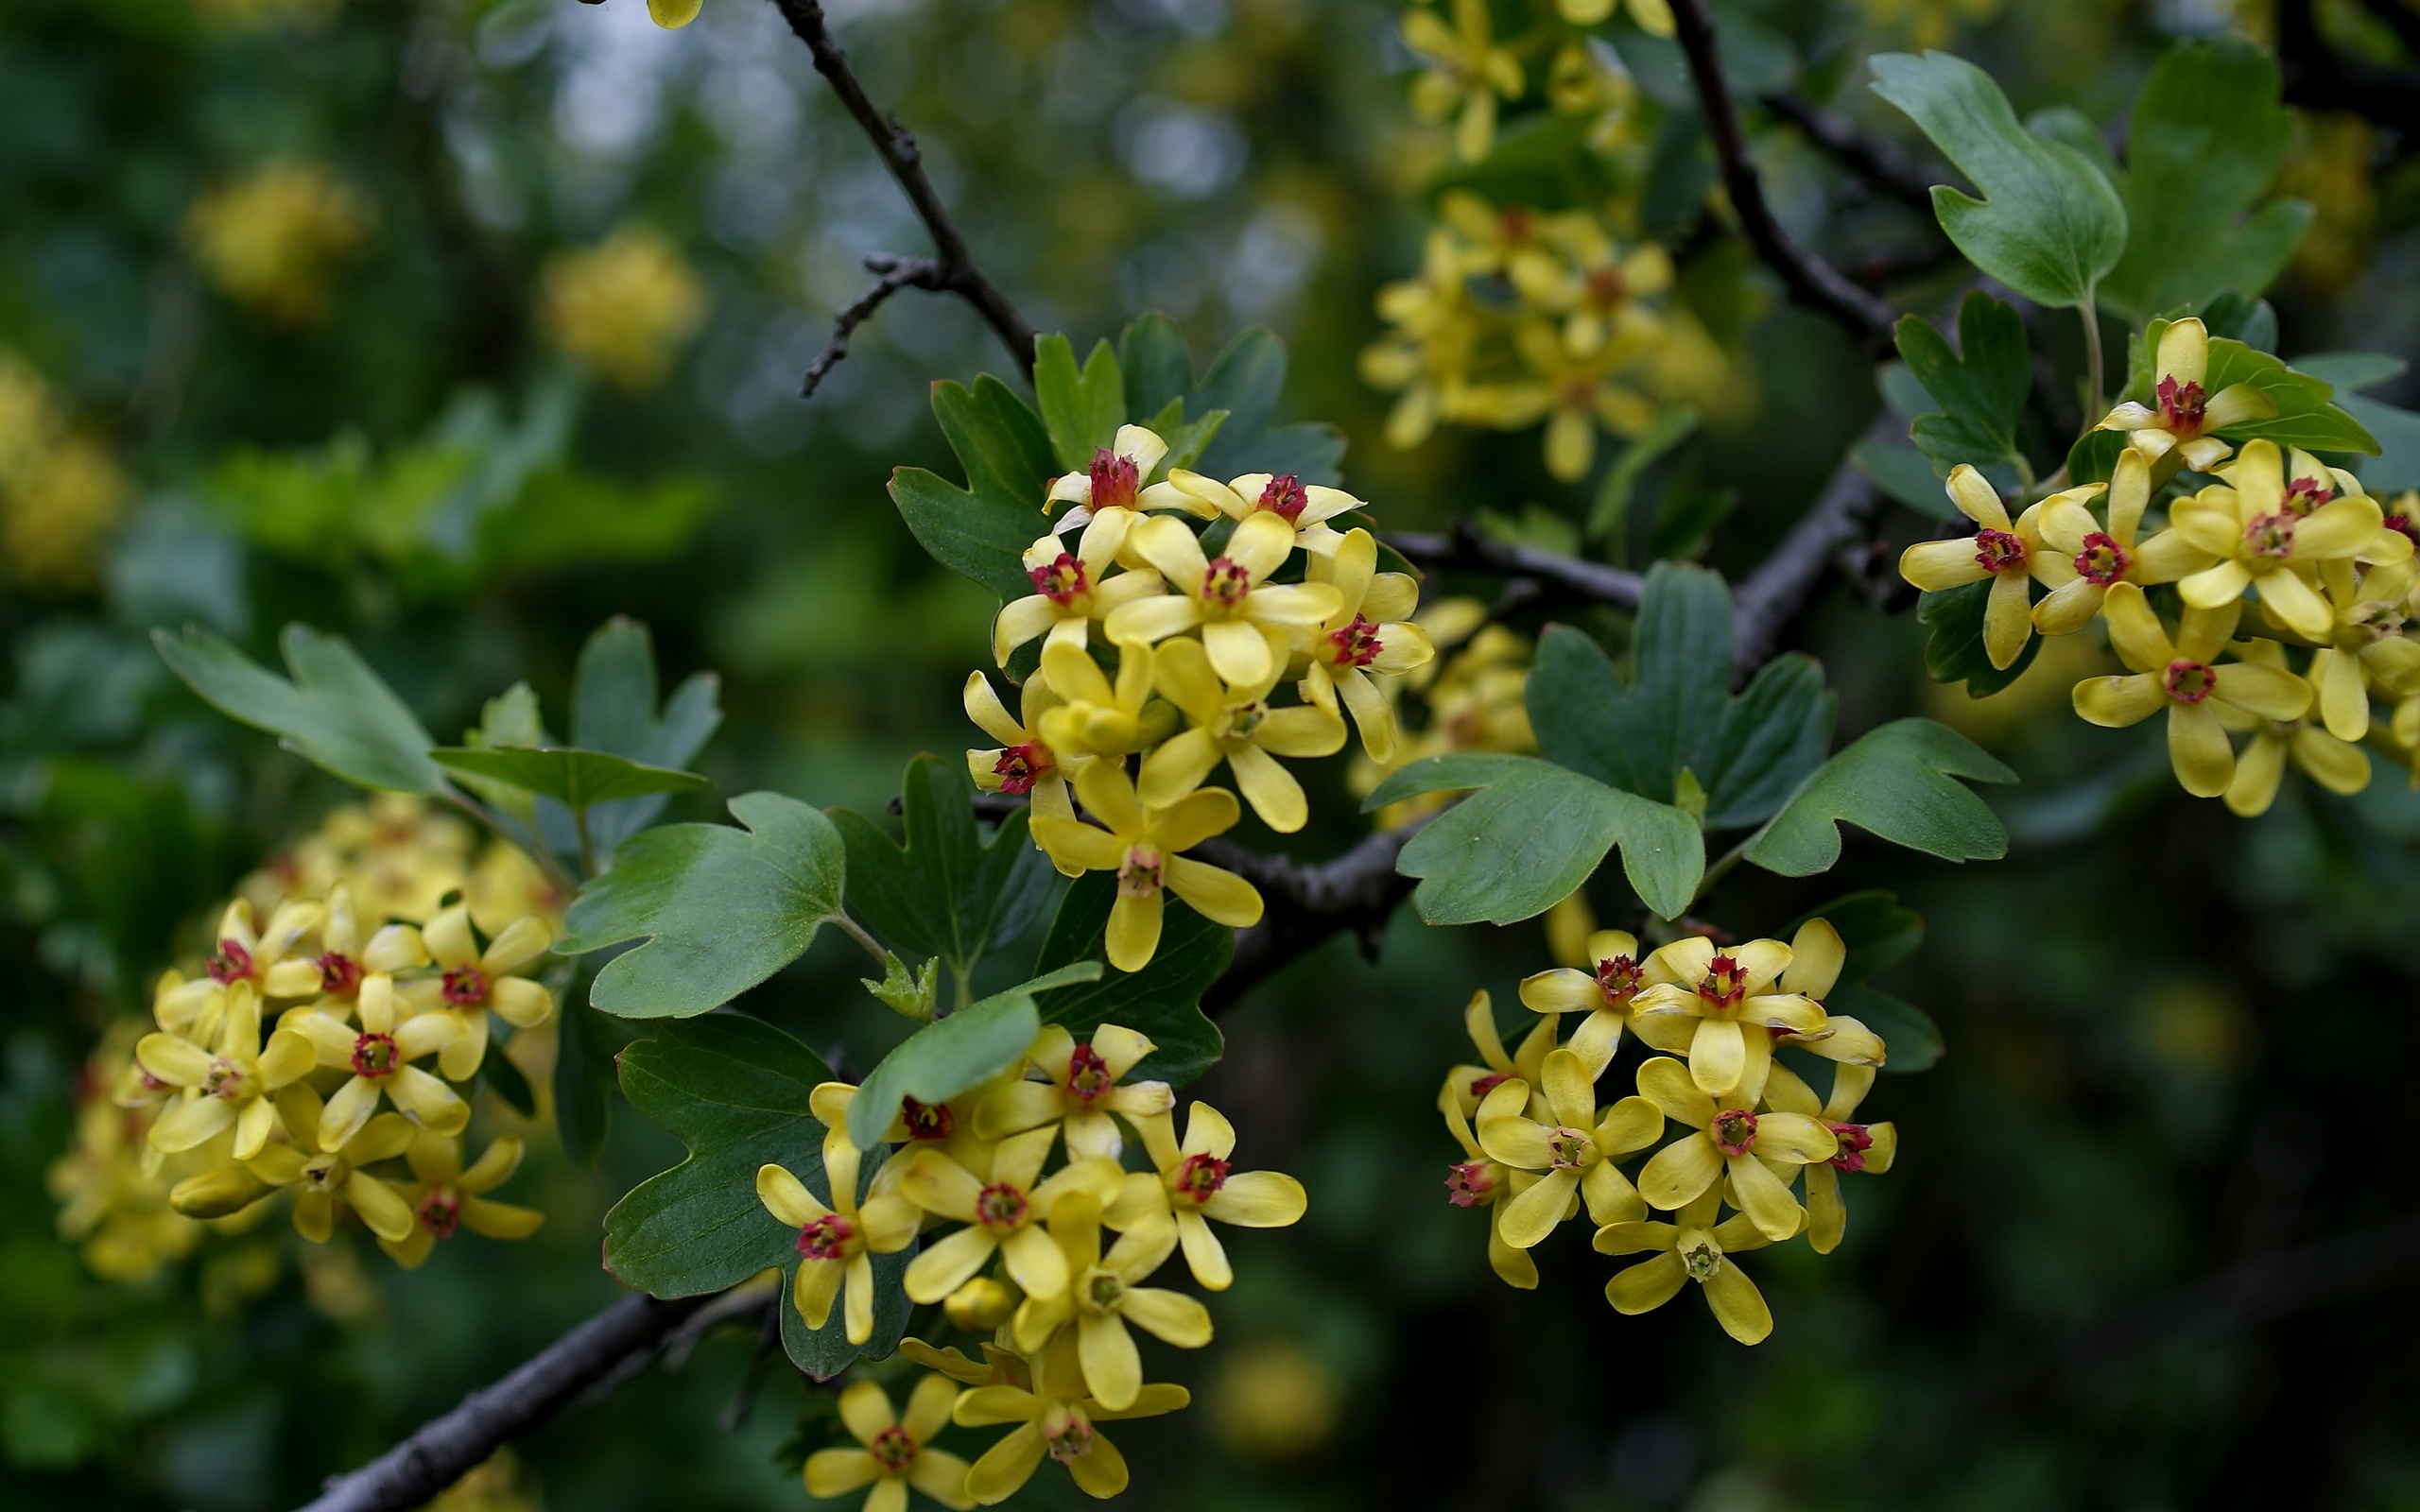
x=1104, y=1294
x=473, y=981
x=1070, y=590
x=380, y=1054
x=1195, y=1182
x=1003, y=1207
x=835, y=1243
x=229, y=1085
x=2334, y=764
x=1698, y=1249
x=1867, y=1148
x=1604, y=994
x=1081, y=1086
x=1093, y=717
x=1233, y=722
x=2259, y=544
x=894, y=1455
x=1143, y=847
x=2179, y=675
x=1230, y=599
x=1468, y=1084
x=1479, y=1181
x=2178, y=428
x=2371, y=609
x=2008, y=554
x=446, y=1197
x=1467, y=71
x=1108, y=495
x=1728, y=1136
x=324, y=1175
x=1023, y=764
x=2080, y=560
x=1726, y=991
x=1575, y=1152
x=1369, y=636
x=333, y=978
x=241, y=954
x=1306, y=507
x=1055, y=1419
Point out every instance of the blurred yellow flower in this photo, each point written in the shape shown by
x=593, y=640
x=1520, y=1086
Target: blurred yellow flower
x=274, y=239
x=620, y=307
x=59, y=493
x=1272, y=1400
x=1467, y=72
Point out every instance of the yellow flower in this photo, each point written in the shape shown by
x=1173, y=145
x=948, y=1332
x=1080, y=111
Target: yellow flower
x=380, y=1056
x=2331, y=761
x=947, y=1126
x=1369, y=635
x=2079, y=560
x=1698, y=1249
x=446, y=1197
x=674, y=14
x=998, y=1367
x=1468, y=1084
x=1654, y=17
x=1081, y=1089
x=1108, y=497
x=228, y=1086
x=1071, y=589
x=1306, y=507
x=1857, y=1147
x=2370, y=609
x=1003, y=1209
x=473, y=981
x=1729, y=1136
x=243, y=955
x=1195, y=1182
x=400, y=858
x=1467, y=72
x=1572, y=1148
x=835, y=1244
x=1573, y=394
x=324, y=1175
x=1597, y=292
x=1092, y=716
x=1482, y=1181
x=2178, y=673
x=1603, y=994
x=1727, y=993
x=111, y=1183
x=335, y=975
x=1231, y=601
x=2009, y=554
x=2259, y=543
x=894, y=1456
x=1023, y=764
x=620, y=308
x=1144, y=847
x=51, y=524
x=1104, y=1294
x=1426, y=354
x=1816, y=955
x=2185, y=414
x=1055, y=1419
x=275, y=238
x=1233, y=722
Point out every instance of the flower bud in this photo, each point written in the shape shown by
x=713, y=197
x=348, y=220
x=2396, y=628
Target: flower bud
x=979, y=1306
x=216, y=1193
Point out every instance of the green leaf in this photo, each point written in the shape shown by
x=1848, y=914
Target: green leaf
x=1530, y=834
x=1157, y=364
x=585, y=1047
x=1895, y=782
x=1246, y=380
x=509, y=1081
x=982, y=531
x=1082, y=410
x=1904, y=474
x=575, y=779
x=1954, y=652
x=614, y=709
x=2397, y=464
x=2207, y=138
x=1980, y=388
x=719, y=909
x=1677, y=713
x=2049, y=226
x=735, y=1090
x=2351, y=369
x=2093, y=456
x=952, y=891
x=947, y=1057
x=1673, y=425
x=1879, y=933
x=335, y=711
x=1163, y=1001
x=1909, y=1033
x=510, y=718
x=2304, y=417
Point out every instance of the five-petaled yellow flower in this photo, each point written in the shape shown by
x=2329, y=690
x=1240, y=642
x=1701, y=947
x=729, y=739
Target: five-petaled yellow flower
x=1143, y=847
x=1729, y=993
x=2179, y=675
x=836, y=1244
x=1108, y=495
x=1002, y=1208
x=1729, y=1137
x=472, y=981
x=322, y=1174
x=380, y=1053
x=1093, y=717
x=1233, y=722
x=1082, y=1086
x=895, y=1455
x=2179, y=427
x=2010, y=554
x=2080, y=560
x=1572, y=1148
x=1859, y=1149
x=2261, y=544
x=2334, y=764
x=1230, y=599
x=1196, y=1181
x=229, y=1085
x=1604, y=994
x=2367, y=644
x=1369, y=635
x=1070, y=590
x=447, y=1197
x=1055, y=1419
x=1698, y=1249
x=1022, y=764
x=1306, y=507
x=1104, y=1294
x=1467, y=72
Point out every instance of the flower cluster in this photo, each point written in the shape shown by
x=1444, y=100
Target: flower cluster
x=1052, y=1264
x=1170, y=611
x=1468, y=71
x=619, y=309
x=1752, y=1136
x=273, y=240
x=2325, y=569
x=59, y=493
x=1520, y=317
x=319, y=1049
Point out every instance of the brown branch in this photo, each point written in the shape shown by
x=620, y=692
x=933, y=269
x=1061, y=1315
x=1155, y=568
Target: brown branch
x=1306, y=904
x=1880, y=164
x=446, y=1449
x=1772, y=595
x=953, y=269
x=897, y=273
x=1466, y=550
x=1810, y=279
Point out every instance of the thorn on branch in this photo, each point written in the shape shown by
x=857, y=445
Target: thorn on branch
x=1810, y=279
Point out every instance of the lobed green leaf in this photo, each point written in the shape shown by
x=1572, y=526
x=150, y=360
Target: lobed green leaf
x=1896, y=783
x=332, y=710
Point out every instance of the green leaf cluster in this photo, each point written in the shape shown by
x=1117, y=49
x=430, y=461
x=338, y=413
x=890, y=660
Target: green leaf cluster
x=1980, y=389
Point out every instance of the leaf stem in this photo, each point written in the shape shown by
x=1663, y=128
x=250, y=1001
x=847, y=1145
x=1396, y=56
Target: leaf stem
x=587, y=846
x=2092, y=404
x=857, y=932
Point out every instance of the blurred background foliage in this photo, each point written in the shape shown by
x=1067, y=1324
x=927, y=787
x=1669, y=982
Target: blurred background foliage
x=458, y=326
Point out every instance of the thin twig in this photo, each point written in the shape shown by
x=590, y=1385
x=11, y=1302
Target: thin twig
x=1810, y=279
x=1772, y=596
x=447, y=1448
x=953, y=267
x=1880, y=164
x=897, y=273
x=1465, y=549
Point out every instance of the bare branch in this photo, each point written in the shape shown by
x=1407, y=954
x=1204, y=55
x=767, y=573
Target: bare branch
x=1880, y=164
x=897, y=273
x=1774, y=594
x=952, y=267
x=1306, y=904
x=1465, y=549
x=1811, y=281
x=445, y=1448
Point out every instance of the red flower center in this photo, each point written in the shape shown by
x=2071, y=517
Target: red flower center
x=1225, y=582
x=2189, y=681
x=1088, y=1075
x=1001, y=1207
x=373, y=1055
x=2303, y=495
x=1606, y=288
x=2102, y=561
x=1067, y=1434
x=339, y=976
x=1489, y=1083
x=1138, y=875
x=1285, y=495
x=1021, y=767
x=2000, y=551
x=441, y=1214
x=1568, y=1149
x=2270, y=536
x=892, y=1448
x=229, y=962
x=1855, y=1142
x=926, y=1122
x=2407, y=523
x=465, y=987
x=224, y=1079
x=1733, y=1131
x=1515, y=224
x=1468, y=1184
x=1201, y=1176
x=1724, y=985
x=1356, y=646
x=1061, y=579
x=1618, y=978
x=2182, y=406
x=1115, y=483
x=826, y=1238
